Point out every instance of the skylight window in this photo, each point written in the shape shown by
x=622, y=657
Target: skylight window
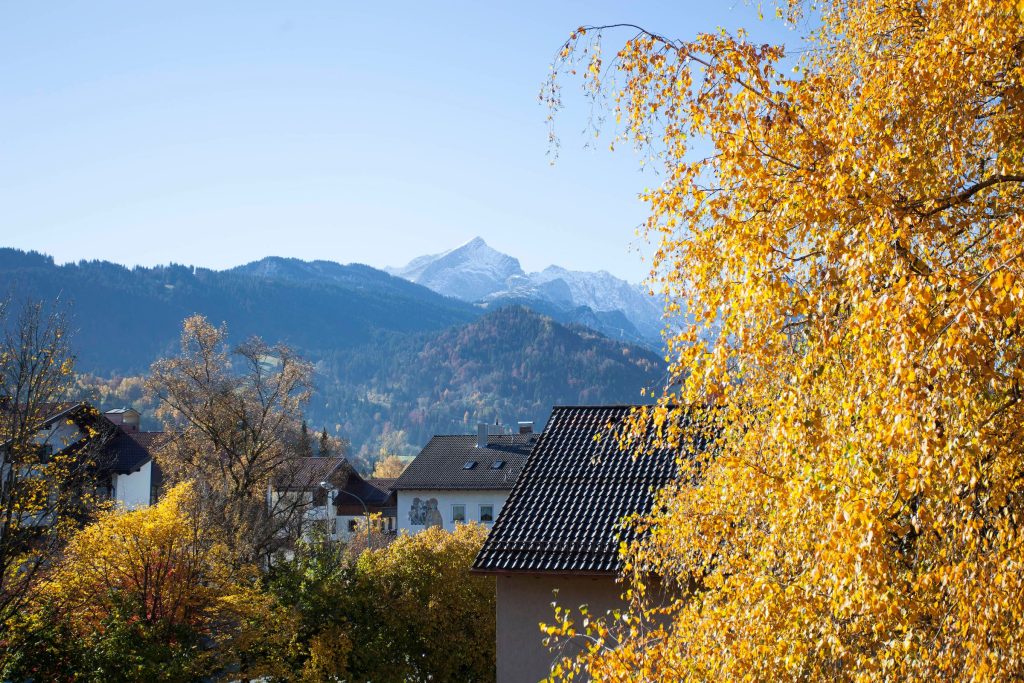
x=497, y=464
x=469, y=464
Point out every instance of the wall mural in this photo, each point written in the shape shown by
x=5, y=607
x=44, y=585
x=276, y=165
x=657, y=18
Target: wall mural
x=425, y=513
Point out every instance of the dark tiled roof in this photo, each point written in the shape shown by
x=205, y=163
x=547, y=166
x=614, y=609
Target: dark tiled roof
x=563, y=514
x=127, y=452
x=309, y=472
x=56, y=411
x=366, y=490
x=441, y=463
x=383, y=483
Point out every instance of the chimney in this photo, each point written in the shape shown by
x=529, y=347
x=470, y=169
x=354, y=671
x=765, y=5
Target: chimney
x=484, y=430
x=126, y=418
x=526, y=427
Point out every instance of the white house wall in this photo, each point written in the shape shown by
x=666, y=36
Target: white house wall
x=344, y=524
x=472, y=499
x=133, y=490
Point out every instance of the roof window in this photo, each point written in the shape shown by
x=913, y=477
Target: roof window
x=469, y=464
x=497, y=464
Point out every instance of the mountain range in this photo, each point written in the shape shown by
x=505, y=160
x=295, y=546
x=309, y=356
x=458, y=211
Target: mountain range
x=395, y=361
x=477, y=273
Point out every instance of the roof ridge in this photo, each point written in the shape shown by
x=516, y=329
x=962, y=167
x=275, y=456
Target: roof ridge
x=604, y=405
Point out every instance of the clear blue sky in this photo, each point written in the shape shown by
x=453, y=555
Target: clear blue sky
x=218, y=133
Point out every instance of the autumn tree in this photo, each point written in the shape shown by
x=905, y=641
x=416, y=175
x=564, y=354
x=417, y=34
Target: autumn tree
x=844, y=228
x=405, y=611
x=305, y=442
x=234, y=415
x=437, y=617
x=317, y=584
x=50, y=463
x=390, y=467
x=330, y=445
x=148, y=594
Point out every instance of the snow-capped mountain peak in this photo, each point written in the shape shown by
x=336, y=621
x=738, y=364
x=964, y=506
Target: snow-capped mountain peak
x=470, y=272
x=477, y=273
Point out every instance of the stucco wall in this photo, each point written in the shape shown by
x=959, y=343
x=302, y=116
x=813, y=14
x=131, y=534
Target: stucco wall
x=524, y=601
x=133, y=490
x=445, y=500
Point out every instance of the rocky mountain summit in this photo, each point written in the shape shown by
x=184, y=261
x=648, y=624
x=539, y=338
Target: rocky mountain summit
x=477, y=273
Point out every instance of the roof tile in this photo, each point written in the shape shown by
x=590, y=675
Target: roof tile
x=564, y=512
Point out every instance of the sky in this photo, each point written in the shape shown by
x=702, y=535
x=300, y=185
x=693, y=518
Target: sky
x=214, y=134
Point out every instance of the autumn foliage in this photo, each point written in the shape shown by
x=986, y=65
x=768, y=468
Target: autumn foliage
x=846, y=231
x=234, y=414
x=147, y=594
x=404, y=611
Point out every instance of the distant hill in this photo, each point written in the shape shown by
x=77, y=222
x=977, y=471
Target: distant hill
x=475, y=272
x=394, y=360
x=512, y=364
x=124, y=318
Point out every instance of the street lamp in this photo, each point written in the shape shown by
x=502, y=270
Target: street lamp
x=366, y=511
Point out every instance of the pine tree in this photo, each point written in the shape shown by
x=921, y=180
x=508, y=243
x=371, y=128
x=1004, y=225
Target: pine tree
x=325, y=444
x=305, y=445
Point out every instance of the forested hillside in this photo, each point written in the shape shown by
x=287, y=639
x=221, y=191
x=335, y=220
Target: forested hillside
x=512, y=364
x=124, y=318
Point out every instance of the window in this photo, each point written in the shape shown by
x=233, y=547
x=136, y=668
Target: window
x=353, y=524
x=486, y=513
x=497, y=464
x=469, y=464
x=459, y=514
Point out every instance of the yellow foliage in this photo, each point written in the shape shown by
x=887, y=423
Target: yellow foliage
x=850, y=254
x=328, y=656
x=434, y=607
x=390, y=466
x=165, y=561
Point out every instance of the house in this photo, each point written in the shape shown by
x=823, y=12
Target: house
x=333, y=496
x=360, y=498
x=124, y=467
x=462, y=478
x=56, y=426
x=305, y=490
x=32, y=436
x=127, y=454
x=559, y=531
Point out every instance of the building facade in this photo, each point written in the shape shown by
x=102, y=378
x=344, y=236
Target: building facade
x=365, y=502
x=461, y=478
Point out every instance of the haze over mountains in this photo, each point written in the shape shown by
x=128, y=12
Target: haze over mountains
x=395, y=361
